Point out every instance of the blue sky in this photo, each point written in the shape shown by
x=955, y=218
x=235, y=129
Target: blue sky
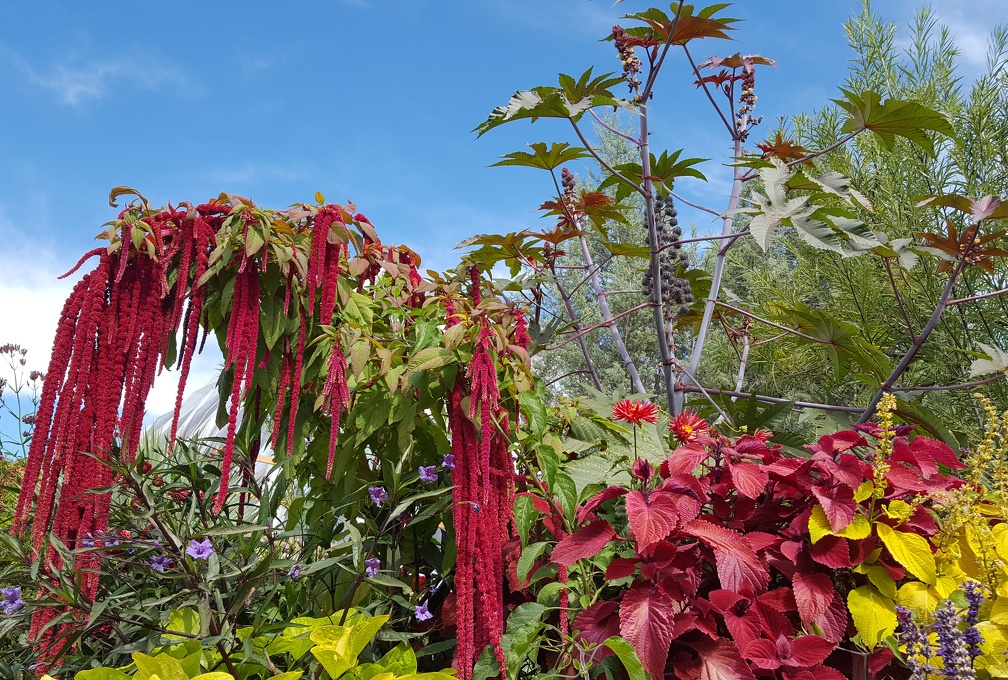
x=365, y=100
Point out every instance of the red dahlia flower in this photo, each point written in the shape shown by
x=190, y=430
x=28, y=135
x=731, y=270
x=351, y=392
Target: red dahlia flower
x=690, y=428
x=635, y=412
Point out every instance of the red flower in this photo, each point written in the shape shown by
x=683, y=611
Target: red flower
x=690, y=428
x=635, y=412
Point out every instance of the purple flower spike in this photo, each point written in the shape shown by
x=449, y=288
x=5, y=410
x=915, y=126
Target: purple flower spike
x=428, y=473
x=371, y=566
x=200, y=550
x=422, y=614
x=378, y=494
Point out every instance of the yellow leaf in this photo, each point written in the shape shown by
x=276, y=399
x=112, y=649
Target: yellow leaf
x=946, y=585
x=999, y=612
x=859, y=528
x=918, y=597
x=864, y=491
x=818, y=525
x=993, y=649
x=899, y=510
x=881, y=579
x=912, y=551
x=1001, y=541
x=873, y=613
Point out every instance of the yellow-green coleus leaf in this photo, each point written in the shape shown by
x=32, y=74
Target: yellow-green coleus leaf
x=911, y=551
x=873, y=613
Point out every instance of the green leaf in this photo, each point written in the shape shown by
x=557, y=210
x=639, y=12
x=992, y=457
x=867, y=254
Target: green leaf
x=430, y=358
x=893, y=118
x=912, y=551
x=528, y=558
x=873, y=613
x=626, y=654
x=525, y=515
x=543, y=158
x=565, y=490
x=332, y=661
x=124, y=191
x=101, y=674
x=214, y=675
x=165, y=667
x=570, y=100
x=534, y=409
x=184, y=621
x=289, y=675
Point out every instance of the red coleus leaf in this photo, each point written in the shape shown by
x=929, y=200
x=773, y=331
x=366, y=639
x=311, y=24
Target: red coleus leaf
x=902, y=452
x=813, y=594
x=652, y=518
x=598, y=499
x=748, y=478
x=738, y=565
x=742, y=619
x=648, y=622
x=718, y=660
x=598, y=623
x=801, y=652
x=621, y=567
x=587, y=541
x=937, y=451
x=831, y=551
x=833, y=623
x=821, y=672
x=903, y=479
x=878, y=660
x=839, y=504
x=683, y=460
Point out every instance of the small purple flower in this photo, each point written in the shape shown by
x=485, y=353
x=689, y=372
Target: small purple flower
x=372, y=565
x=428, y=473
x=449, y=461
x=476, y=508
x=294, y=573
x=11, y=601
x=433, y=588
x=160, y=563
x=87, y=541
x=200, y=550
x=378, y=494
x=422, y=614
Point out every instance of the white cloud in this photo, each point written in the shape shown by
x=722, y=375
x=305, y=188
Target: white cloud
x=31, y=298
x=75, y=80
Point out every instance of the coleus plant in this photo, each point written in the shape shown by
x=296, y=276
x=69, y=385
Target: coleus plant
x=730, y=559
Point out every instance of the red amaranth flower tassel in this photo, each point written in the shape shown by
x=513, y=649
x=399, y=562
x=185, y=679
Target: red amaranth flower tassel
x=337, y=396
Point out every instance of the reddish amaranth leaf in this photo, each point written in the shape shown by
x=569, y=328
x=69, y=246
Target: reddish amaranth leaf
x=648, y=621
x=748, y=478
x=718, y=660
x=813, y=594
x=596, y=624
x=651, y=518
x=598, y=499
x=738, y=565
x=587, y=541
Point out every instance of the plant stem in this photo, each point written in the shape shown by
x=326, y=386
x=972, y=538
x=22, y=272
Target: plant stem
x=607, y=316
x=679, y=198
x=587, y=329
x=840, y=142
x=760, y=319
x=613, y=130
x=742, y=365
x=772, y=400
x=656, y=282
x=579, y=334
x=899, y=298
x=919, y=341
x=972, y=298
x=719, y=261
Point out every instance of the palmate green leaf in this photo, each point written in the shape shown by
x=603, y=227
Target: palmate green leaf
x=543, y=157
x=570, y=100
x=664, y=169
x=985, y=208
x=689, y=26
x=893, y=118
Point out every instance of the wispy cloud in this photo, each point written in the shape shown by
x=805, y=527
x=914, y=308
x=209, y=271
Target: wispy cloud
x=76, y=80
